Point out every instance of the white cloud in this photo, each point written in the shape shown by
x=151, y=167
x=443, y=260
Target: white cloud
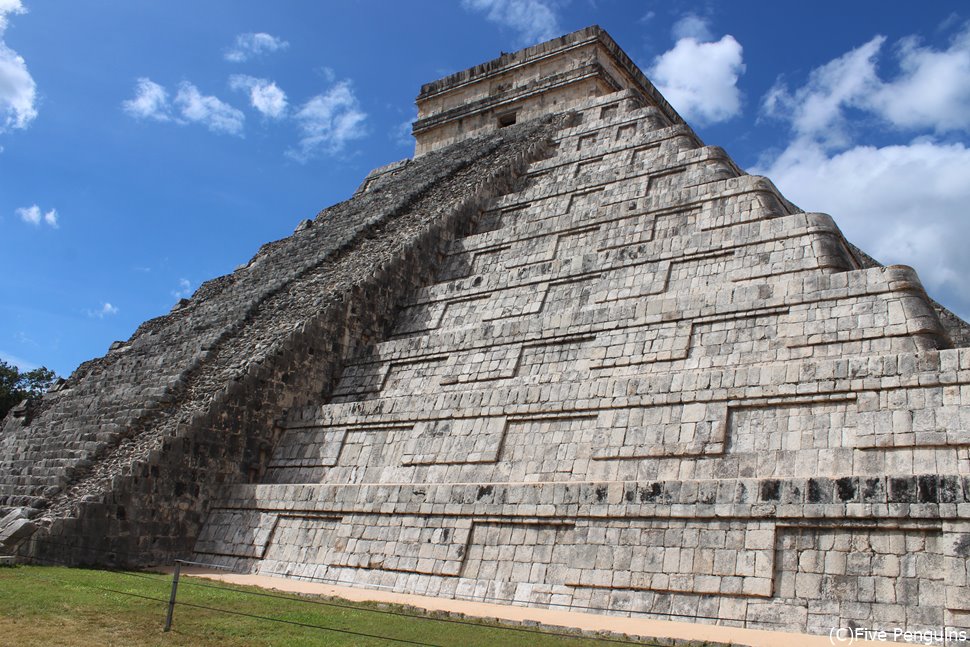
x=328, y=121
x=692, y=26
x=933, y=88
x=30, y=214
x=535, y=20
x=931, y=91
x=35, y=216
x=402, y=135
x=105, y=310
x=902, y=204
x=700, y=79
x=264, y=95
x=20, y=363
x=150, y=102
x=9, y=7
x=816, y=109
x=209, y=111
x=251, y=45
x=18, y=91
x=183, y=290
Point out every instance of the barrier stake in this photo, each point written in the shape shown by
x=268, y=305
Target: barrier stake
x=171, y=599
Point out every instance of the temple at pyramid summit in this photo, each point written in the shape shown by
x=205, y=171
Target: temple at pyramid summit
x=567, y=356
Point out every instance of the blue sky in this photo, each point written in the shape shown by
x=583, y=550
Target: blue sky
x=147, y=146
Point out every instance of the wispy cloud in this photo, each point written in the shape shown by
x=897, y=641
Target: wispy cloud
x=534, y=20
x=401, y=134
x=931, y=91
x=35, y=216
x=19, y=362
x=106, y=310
x=328, y=121
x=209, y=111
x=699, y=77
x=817, y=108
x=150, y=101
x=692, y=26
x=189, y=106
x=183, y=290
x=18, y=91
x=254, y=44
x=264, y=95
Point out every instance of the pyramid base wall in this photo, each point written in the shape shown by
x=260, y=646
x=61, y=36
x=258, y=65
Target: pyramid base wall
x=755, y=553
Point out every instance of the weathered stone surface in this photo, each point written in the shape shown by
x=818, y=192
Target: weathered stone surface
x=124, y=456
x=599, y=366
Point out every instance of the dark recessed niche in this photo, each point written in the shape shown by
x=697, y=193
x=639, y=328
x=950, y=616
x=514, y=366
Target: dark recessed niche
x=506, y=120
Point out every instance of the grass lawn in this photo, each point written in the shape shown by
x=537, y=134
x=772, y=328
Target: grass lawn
x=43, y=605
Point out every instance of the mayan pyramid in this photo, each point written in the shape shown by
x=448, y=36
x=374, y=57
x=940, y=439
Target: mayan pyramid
x=565, y=356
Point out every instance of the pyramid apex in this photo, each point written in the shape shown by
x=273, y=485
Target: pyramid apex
x=549, y=77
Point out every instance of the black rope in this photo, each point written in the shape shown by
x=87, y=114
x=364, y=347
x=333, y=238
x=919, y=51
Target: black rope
x=239, y=613
x=304, y=624
x=97, y=587
x=161, y=578
x=421, y=617
x=484, y=598
x=78, y=546
x=489, y=598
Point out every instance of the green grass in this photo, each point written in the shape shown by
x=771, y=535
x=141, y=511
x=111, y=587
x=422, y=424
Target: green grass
x=41, y=605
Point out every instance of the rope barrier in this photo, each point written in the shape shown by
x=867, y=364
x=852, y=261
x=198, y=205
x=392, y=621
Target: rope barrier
x=326, y=603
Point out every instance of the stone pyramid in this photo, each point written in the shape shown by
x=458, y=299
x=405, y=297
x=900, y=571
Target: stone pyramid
x=566, y=356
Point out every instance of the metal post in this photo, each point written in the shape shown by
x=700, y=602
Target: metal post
x=171, y=600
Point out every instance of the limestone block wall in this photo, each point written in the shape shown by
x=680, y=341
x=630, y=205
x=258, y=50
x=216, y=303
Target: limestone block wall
x=644, y=382
x=117, y=466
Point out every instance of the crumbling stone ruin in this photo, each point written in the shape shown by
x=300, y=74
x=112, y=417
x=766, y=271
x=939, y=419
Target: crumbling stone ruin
x=566, y=356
